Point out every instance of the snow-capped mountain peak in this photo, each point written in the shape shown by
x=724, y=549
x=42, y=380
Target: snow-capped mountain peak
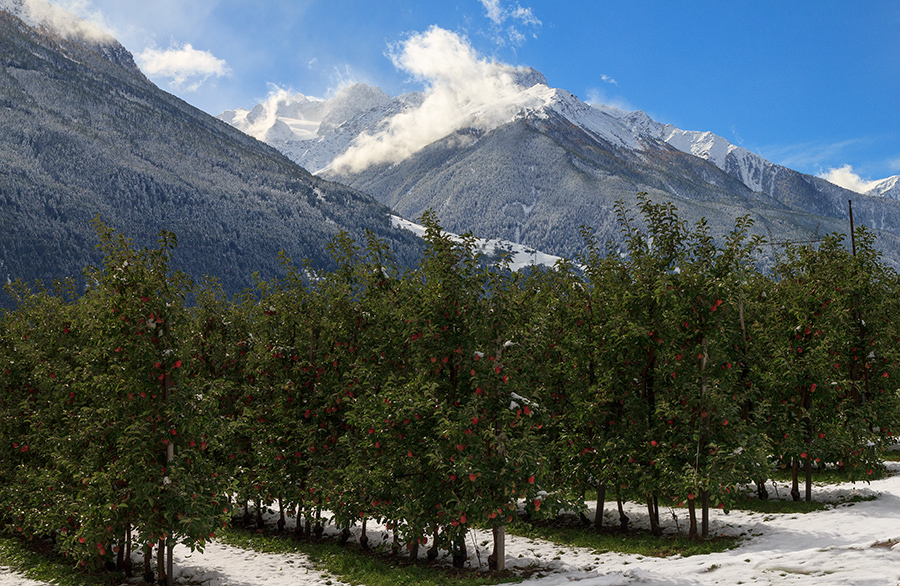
x=738, y=161
x=361, y=125
x=605, y=123
x=281, y=117
x=889, y=187
x=527, y=77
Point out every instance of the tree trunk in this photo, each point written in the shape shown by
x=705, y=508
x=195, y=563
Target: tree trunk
x=432, y=553
x=459, y=551
x=581, y=516
x=170, y=570
x=126, y=564
x=120, y=555
x=795, y=481
x=345, y=536
x=807, y=469
x=318, y=530
x=497, y=559
x=692, y=514
x=654, y=518
x=260, y=523
x=761, y=491
x=298, y=526
x=363, y=536
x=161, y=563
x=601, y=500
x=281, y=520
x=704, y=519
x=148, y=564
x=623, y=518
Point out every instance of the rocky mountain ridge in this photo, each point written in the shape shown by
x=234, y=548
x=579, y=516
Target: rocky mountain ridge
x=314, y=146
x=556, y=163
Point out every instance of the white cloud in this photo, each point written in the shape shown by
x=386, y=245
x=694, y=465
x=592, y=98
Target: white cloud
x=185, y=66
x=518, y=15
x=808, y=156
x=525, y=16
x=846, y=178
x=342, y=76
x=62, y=19
x=463, y=90
x=608, y=79
x=258, y=122
x=598, y=96
x=494, y=10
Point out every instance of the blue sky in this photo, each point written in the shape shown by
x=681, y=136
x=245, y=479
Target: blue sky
x=811, y=84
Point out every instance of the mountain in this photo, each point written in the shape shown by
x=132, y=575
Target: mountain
x=83, y=133
x=536, y=167
x=314, y=132
x=889, y=187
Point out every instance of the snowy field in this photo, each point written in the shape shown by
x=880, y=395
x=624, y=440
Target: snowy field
x=848, y=544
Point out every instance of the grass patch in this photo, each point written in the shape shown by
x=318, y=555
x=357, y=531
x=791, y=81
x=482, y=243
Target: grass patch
x=776, y=506
x=568, y=530
x=37, y=560
x=830, y=475
x=350, y=564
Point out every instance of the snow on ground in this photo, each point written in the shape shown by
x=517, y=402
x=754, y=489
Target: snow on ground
x=223, y=565
x=848, y=544
x=519, y=256
x=10, y=578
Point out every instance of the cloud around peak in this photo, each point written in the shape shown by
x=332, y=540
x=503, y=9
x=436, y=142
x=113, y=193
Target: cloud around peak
x=60, y=19
x=462, y=90
x=184, y=66
x=846, y=178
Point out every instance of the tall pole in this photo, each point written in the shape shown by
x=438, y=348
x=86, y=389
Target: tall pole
x=852, y=230
x=167, y=546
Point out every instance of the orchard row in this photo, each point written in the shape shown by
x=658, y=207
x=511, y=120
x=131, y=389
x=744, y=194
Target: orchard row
x=442, y=397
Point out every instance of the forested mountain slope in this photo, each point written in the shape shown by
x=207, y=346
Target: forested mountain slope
x=84, y=134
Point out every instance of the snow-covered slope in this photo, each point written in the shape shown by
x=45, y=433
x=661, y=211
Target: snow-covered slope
x=519, y=256
x=294, y=117
x=499, y=152
x=889, y=187
x=315, y=132
x=751, y=169
x=602, y=122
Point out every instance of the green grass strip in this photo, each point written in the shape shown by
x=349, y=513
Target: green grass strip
x=36, y=561
x=350, y=564
x=830, y=476
x=569, y=531
x=785, y=507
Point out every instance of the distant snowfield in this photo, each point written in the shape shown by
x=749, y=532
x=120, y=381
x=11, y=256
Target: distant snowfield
x=853, y=543
x=519, y=256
